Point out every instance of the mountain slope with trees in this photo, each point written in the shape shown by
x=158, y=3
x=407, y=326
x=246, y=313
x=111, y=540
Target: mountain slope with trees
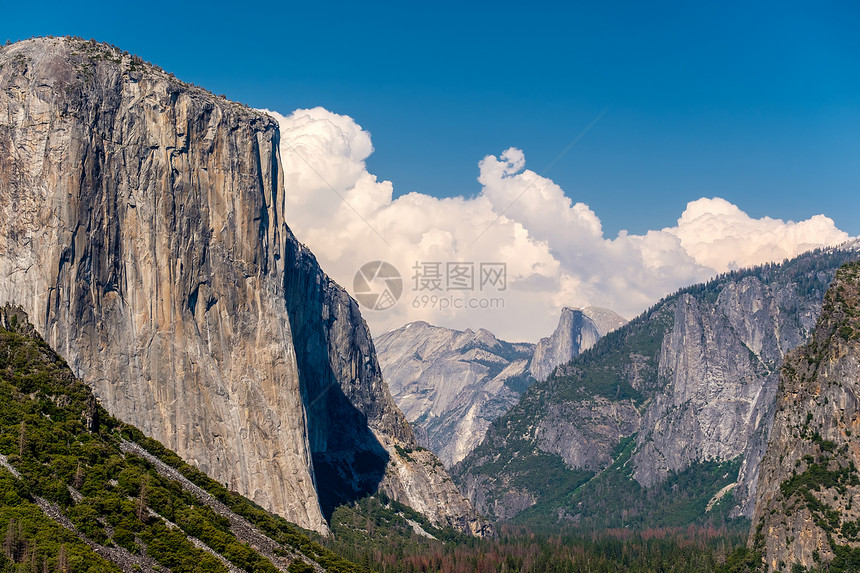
x=672, y=410
x=81, y=491
x=807, y=515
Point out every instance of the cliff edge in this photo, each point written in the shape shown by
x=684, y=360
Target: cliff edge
x=143, y=231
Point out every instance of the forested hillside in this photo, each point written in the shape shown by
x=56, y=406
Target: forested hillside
x=83, y=492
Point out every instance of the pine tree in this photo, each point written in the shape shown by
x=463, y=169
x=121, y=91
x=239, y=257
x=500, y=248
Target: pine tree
x=141, y=499
x=10, y=542
x=63, y=560
x=79, y=476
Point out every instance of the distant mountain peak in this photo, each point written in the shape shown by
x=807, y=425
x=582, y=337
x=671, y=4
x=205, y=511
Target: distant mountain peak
x=452, y=384
x=605, y=319
x=578, y=330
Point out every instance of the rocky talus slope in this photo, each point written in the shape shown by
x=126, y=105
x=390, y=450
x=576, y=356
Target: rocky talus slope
x=142, y=228
x=662, y=415
x=808, y=498
x=452, y=384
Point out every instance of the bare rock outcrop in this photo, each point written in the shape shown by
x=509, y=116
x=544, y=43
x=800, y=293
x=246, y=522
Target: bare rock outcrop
x=143, y=230
x=806, y=511
x=452, y=384
x=577, y=331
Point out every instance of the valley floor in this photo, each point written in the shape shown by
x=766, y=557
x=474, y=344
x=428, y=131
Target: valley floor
x=380, y=538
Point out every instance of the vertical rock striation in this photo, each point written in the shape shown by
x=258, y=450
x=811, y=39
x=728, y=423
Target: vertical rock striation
x=720, y=365
x=808, y=502
x=577, y=331
x=142, y=228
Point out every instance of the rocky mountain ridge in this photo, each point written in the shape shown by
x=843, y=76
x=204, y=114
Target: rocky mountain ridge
x=452, y=384
x=806, y=512
x=143, y=231
x=683, y=394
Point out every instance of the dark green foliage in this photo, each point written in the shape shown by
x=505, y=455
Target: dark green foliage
x=818, y=475
x=43, y=432
x=614, y=499
x=31, y=539
x=540, y=472
x=378, y=524
x=392, y=548
x=403, y=452
x=274, y=526
x=743, y=560
x=299, y=566
x=845, y=559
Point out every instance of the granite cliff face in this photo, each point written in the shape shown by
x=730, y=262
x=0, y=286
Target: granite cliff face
x=96, y=463
x=684, y=393
x=720, y=365
x=451, y=385
x=806, y=510
x=143, y=231
x=577, y=331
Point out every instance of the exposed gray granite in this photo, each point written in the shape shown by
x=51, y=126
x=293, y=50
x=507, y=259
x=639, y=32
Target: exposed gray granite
x=142, y=228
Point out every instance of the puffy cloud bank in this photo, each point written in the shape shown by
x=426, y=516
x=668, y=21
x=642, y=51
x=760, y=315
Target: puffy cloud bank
x=554, y=250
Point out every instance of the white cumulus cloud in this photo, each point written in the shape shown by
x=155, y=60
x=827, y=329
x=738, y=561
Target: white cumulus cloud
x=554, y=249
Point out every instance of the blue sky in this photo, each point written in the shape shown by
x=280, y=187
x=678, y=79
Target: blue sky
x=759, y=105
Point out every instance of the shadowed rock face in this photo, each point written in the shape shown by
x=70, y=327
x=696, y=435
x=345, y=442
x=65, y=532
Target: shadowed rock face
x=142, y=228
x=806, y=510
x=577, y=331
